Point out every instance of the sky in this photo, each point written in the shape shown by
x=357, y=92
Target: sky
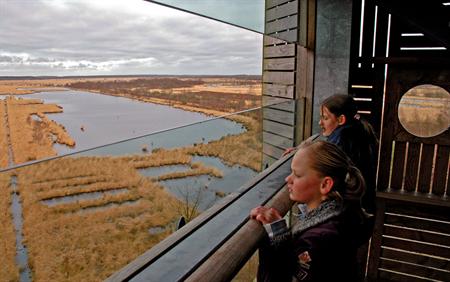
x=119, y=37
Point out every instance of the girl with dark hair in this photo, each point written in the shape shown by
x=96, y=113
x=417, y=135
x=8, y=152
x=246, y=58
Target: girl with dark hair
x=341, y=126
x=322, y=245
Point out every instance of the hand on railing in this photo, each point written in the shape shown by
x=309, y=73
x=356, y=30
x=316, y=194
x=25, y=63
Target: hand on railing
x=265, y=215
x=288, y=150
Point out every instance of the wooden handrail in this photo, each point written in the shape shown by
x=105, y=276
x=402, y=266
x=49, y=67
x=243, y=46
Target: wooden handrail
x=230, y=257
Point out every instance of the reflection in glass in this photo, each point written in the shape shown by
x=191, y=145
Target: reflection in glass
x=87, y=215
x=247, y=14
x=424, y=110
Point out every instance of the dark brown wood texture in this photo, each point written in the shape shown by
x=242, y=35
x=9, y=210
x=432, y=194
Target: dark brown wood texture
x=410, y=240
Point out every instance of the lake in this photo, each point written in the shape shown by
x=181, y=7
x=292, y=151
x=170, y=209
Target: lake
x=107, y=119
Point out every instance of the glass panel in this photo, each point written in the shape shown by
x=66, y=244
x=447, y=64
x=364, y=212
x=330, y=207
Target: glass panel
x=86, y=215
x=247, y=14
x=424, y=110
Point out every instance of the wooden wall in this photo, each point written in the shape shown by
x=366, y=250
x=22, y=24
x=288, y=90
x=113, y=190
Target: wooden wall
x=280, y=117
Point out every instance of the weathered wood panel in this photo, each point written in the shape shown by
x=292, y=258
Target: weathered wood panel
x=282, y=24
x=282, y=11
x=416, y=247
x=279, y=129
x=286, y=50
x=429, y=261
x=417, y=235
x=426, y=167
x=289, y=35
x=278, y=141
x=286, y=91
x=418, y=223
x=414, y=270
x=287, y=105
x=272, y=151
x=386, y=275
x=398, y=165
x=441, y=170
x=283, y=117
x=285, y=78
x=267, y=161
x=412, y=166
x=270, y=41
x=279, y=64
x=274, y=3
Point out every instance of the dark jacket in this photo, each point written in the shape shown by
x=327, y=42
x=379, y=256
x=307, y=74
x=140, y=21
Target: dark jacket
x=361, y=148
x=324, y=250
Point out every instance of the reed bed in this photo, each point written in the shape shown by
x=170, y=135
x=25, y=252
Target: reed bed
x=66, y=244
x=9, y=270
x=32, y=139
x=3, y=137
x=197, y=169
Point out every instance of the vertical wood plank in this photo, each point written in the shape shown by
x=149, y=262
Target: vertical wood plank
x=375, y=245
x=426, y=166
x=398, y=165
x=384, y=164
x=441, y=170
x=412, y=166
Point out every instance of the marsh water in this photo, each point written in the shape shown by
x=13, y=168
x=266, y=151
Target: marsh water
x=93, y=120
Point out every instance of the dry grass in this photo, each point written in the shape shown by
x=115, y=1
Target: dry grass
x=90, y=245
x=72, y=241
x=33, y=139
x=9, y=270
x=197, y=169
x=3, y=137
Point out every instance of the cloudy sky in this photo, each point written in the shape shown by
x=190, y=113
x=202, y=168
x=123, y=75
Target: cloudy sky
x=106, y=37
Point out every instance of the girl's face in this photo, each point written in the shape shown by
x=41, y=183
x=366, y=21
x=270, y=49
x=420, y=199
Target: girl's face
x=328, y=121
x=304, y=183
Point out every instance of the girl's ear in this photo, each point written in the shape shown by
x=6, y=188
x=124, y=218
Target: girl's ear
x=326, y=185
x=342, y=119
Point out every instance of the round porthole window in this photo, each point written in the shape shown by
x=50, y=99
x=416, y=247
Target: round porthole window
x=424, y=110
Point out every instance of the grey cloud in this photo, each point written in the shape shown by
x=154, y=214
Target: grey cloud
x=184, y=44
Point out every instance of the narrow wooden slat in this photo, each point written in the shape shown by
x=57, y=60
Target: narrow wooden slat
x=278, y=141
x=289, y=35
x=279, y=129
x=441, y=170
x=385, y=164
x=418, y=235
x=426, y=166
x=273, y=3
x=412, y=166
x=279, y=64
x=415, y=270
x=287, y=105
x=285, y=10
x=375, y=242
x=416, y=247
x=270, y=41
x=398, y=165
x=268, y=160
x=286, y=78
x=279, y=116
x=279, y=51
x=392, y=276
x=416, y=258
x=425, y=211
x=272, y=151
x=282, y=24
x=286, y=91
x=418, y=223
